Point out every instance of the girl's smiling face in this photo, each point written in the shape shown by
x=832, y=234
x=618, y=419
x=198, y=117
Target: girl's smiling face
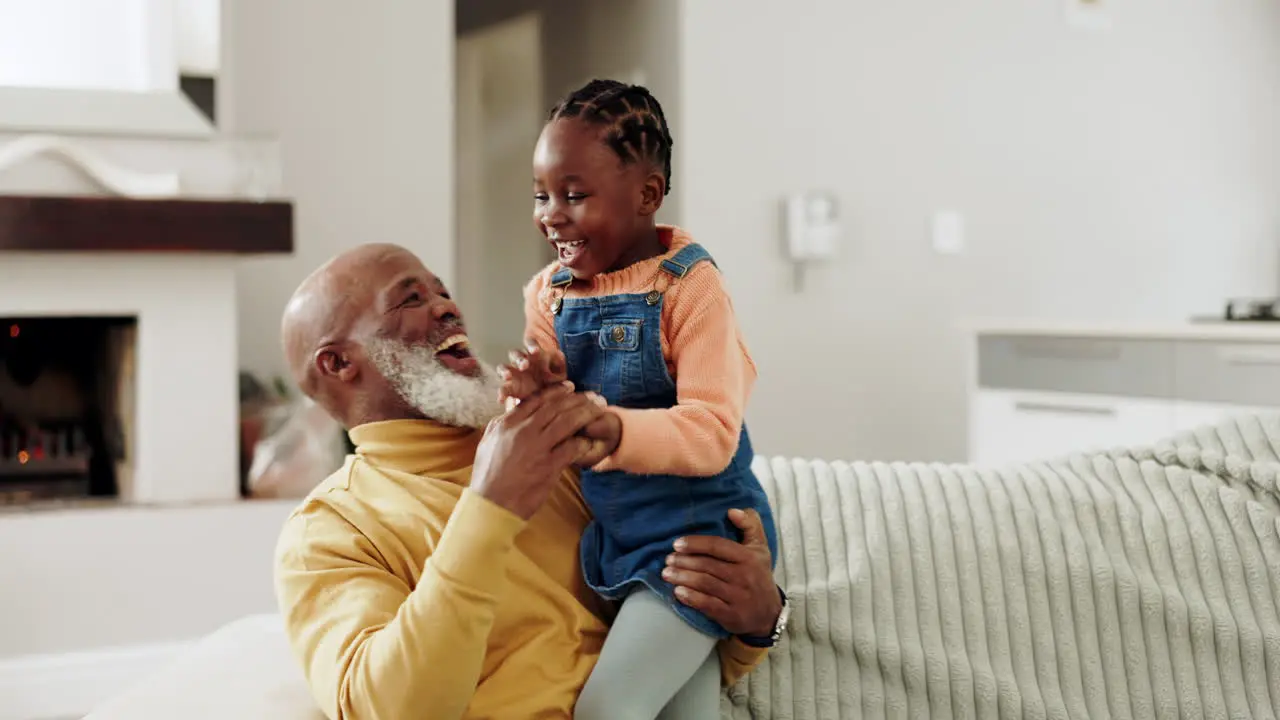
x=594, y=209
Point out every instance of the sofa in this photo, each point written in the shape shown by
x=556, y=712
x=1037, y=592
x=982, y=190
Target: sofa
x=1128, y=582
x=243, y=670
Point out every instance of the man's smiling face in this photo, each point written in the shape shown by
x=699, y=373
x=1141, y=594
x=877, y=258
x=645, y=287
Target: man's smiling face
x=417, y=341
x=373, y=335
x=413, y=306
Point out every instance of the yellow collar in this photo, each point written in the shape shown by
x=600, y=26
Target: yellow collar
x=419, y=447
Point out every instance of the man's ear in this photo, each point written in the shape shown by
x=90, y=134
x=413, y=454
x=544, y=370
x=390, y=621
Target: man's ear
x=652, y=193
x=333, y=362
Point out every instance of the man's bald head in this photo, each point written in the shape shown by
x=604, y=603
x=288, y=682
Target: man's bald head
x=328, y=305
x=374, y=335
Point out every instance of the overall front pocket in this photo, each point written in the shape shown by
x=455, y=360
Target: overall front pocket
x=620, y=344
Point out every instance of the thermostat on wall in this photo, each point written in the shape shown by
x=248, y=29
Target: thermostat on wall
x=812, y=226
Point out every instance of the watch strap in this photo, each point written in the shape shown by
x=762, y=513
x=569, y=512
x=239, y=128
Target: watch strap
x=768, y=641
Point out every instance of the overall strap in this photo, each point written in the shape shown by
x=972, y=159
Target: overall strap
x=679, y=265
x=560, y=281
x=561, y=278
x=676, y=267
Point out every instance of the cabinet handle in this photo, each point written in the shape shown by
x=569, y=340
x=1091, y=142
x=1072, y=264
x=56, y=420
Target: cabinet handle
x=1075, y=350
x=1064, y=409
x=1251, y=358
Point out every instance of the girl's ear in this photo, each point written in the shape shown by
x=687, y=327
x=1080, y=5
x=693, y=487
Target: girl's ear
x=652, y=193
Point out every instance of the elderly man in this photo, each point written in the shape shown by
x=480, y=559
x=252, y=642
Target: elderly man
x=435, y=574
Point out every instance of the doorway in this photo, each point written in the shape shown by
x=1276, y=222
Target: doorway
x=499, y=115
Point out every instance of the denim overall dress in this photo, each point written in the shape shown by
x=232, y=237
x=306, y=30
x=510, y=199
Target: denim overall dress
x=612, y=345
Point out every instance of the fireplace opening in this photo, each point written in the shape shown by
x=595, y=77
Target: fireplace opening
x=66, y=408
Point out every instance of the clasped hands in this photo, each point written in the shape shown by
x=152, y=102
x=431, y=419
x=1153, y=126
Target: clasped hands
x=533, y=369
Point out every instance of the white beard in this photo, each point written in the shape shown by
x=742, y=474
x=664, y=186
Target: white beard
x=433, y=389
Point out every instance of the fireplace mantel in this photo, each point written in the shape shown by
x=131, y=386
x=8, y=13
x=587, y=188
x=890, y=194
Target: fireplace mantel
x=50, y=223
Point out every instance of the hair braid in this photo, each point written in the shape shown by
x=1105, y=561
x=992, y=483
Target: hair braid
x=636, y=126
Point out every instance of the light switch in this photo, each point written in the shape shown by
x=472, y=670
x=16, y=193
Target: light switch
x=948, y=233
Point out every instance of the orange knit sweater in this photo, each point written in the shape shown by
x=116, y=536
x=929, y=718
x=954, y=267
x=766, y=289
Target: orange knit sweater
x=705, y=355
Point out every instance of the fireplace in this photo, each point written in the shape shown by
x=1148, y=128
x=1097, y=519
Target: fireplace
x=66, y=408
x=145, y=282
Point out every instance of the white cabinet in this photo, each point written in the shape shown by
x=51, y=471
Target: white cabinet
x=1016, y=425
x=1189, y=415
x=1039, y=395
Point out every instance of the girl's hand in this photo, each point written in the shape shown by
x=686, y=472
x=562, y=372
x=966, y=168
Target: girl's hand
x=533, y=369
x=529, y=371
x=604, y=433
x=523, y=452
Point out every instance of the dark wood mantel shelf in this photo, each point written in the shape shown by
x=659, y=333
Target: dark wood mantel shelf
x=49, y=223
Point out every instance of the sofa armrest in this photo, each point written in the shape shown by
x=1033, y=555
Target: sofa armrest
x=244, y=670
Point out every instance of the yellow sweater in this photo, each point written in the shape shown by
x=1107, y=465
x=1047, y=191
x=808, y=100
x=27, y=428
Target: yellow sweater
x=405, y=595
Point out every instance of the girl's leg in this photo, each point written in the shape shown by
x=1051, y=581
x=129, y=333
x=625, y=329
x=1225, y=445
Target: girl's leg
x=699, y=699
x=648, y=656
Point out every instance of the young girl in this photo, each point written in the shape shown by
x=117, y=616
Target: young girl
x=642, y=317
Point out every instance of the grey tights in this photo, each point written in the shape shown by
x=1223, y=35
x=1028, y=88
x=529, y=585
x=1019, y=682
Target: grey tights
x=653, y=665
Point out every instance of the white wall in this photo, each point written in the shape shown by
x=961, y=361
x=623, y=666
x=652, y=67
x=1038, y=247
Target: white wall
x=129, y=576
x=1129, y=175
x=360, y=96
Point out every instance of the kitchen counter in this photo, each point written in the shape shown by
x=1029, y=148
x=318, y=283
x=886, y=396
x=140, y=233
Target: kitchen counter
x=1209, y=329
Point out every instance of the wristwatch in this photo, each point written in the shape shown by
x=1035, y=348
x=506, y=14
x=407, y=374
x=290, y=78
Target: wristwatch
x=779, y=627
